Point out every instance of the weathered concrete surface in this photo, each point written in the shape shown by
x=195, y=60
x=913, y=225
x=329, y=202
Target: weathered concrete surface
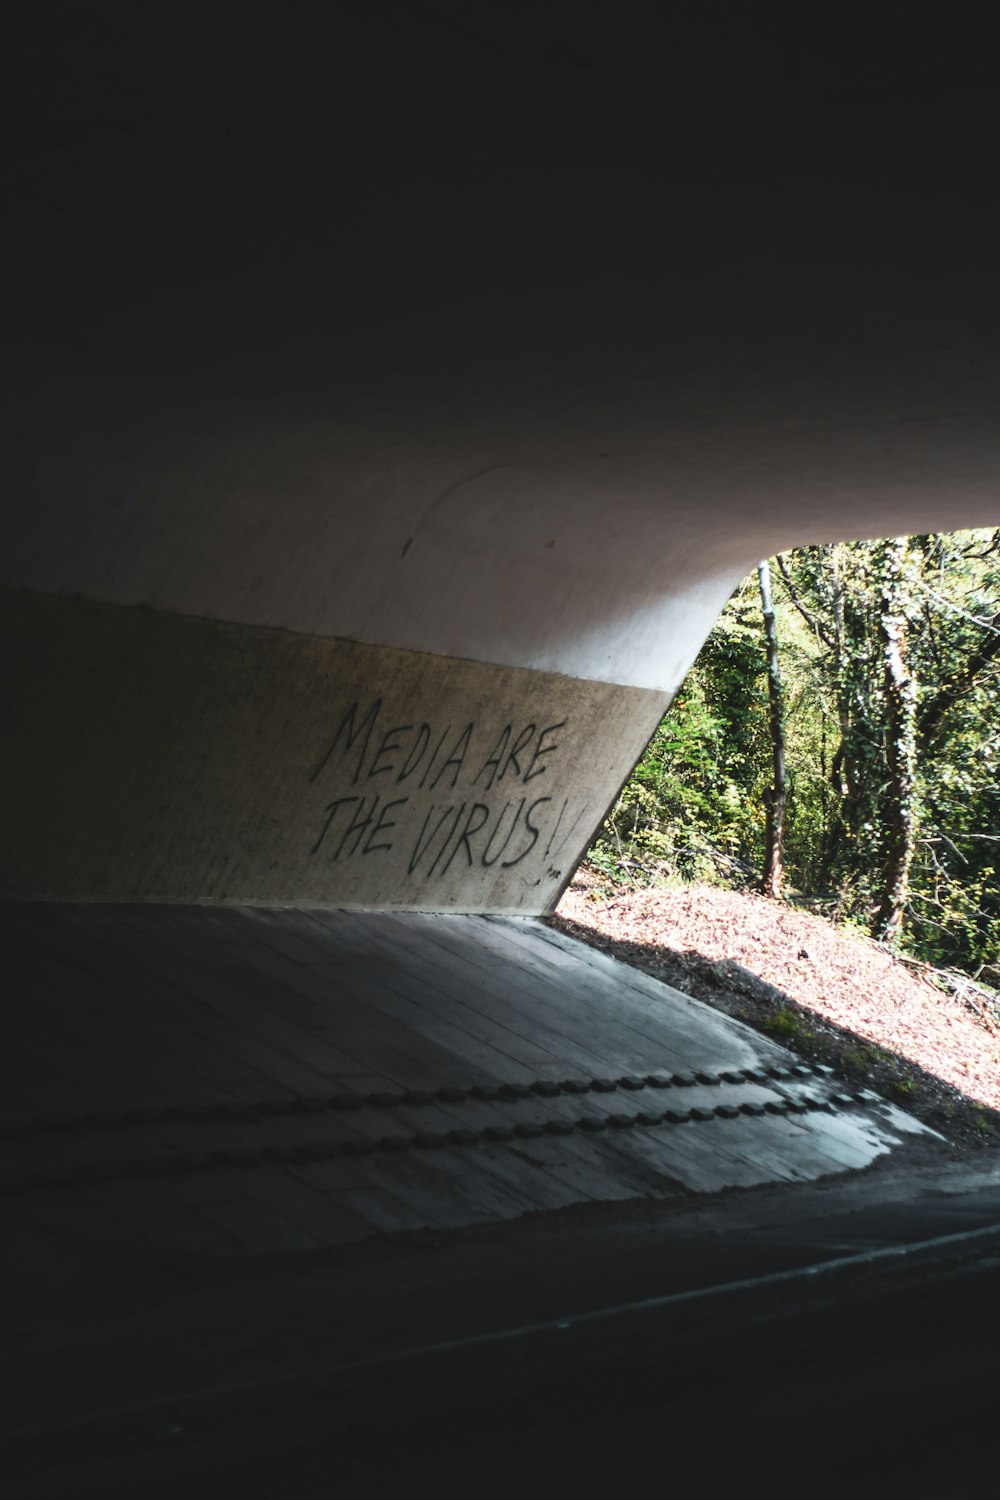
x=515, y=336
x=161, y=757
x=261, y=1080
x=474, y=355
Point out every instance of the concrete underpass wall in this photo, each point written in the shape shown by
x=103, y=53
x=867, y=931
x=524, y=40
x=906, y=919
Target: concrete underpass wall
x=163, y=757
x=465, y=384
x=413, y=677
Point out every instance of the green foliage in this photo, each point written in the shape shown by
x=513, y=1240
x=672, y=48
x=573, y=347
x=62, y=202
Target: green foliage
x=694, y=808
x=685, y=813
x=860, y=1060
x=786, y=1025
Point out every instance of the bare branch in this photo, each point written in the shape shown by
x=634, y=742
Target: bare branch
x=812, y=620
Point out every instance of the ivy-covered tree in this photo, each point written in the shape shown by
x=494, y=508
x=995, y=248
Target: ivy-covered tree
x=890, y=667
x=776, y=795
x=899, y=695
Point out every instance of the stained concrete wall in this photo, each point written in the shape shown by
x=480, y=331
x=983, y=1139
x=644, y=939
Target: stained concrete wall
x=162, y=757
x=454, y=357
x=504, y=341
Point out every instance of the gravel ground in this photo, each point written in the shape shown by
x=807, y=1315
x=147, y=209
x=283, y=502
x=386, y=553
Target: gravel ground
x=830, y=994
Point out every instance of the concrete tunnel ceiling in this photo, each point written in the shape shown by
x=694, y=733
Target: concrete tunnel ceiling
x=484, y=347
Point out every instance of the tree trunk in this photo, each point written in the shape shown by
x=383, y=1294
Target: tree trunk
x=857, y=770
x=901, y=740
x=773, y=879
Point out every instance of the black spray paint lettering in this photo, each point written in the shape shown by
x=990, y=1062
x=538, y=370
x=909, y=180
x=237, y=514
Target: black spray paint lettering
x=531, y=829
x=501, y=760
x=352, y=734
x=459, y=835
x=469, y=832
x=425, y=839
x=385, y=748
x=360, y=821
x=471, y=827
x=456, y=758
x=430, y=764
x=416, y=755
x=521, y=755
x=488, y=857
x=447, y=840
x=331, y=813
x=542, y=749
x=382, y=826
x=523, y=740
x=495, y=758
x=552, y=846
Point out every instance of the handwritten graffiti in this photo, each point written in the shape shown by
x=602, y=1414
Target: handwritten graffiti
x=460, y=796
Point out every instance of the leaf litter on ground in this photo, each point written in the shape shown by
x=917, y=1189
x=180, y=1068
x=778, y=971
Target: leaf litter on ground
x=930, y=1042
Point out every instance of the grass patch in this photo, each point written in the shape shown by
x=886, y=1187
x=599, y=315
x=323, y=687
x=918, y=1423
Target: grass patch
x=786, y=1025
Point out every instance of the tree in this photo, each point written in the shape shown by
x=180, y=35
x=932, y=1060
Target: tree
x=776, y=795
x=889, y=711
x=900, y=717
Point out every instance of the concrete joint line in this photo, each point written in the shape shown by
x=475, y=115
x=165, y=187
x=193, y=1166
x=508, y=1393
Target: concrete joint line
x=185, y=1164
x=502, y=1093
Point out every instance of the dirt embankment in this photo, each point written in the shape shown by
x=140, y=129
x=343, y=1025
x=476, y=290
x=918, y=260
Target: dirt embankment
x=831, y=994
